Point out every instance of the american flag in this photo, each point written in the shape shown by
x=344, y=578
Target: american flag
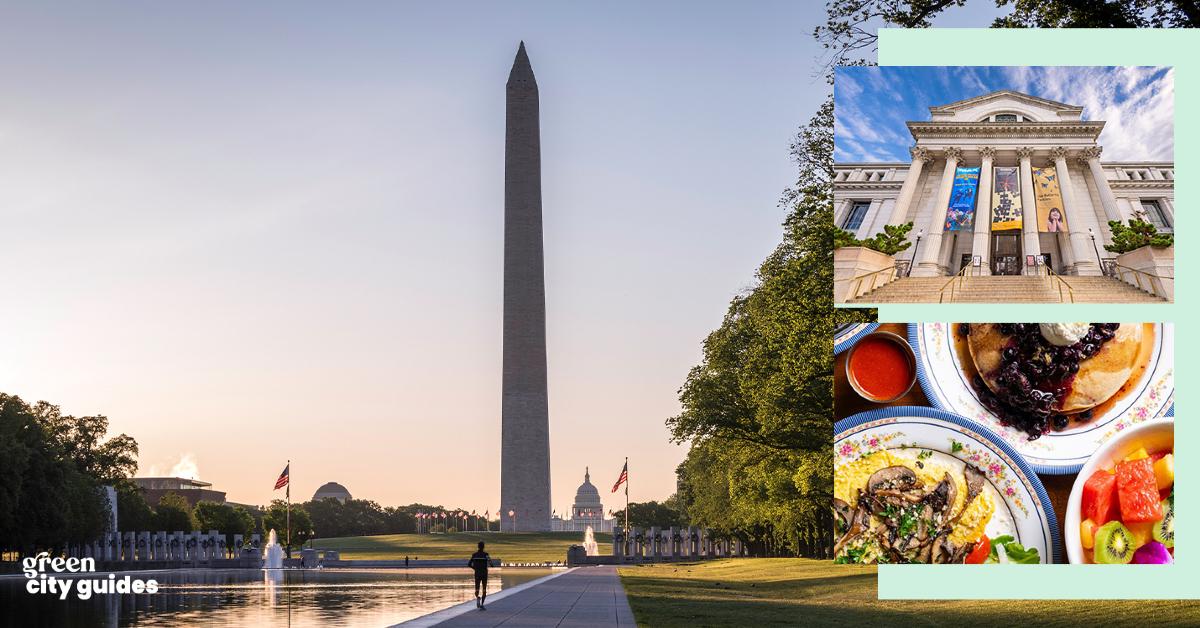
x=283, y=478
x=624, y=477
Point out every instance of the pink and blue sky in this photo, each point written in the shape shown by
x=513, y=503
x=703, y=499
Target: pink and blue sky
x=872, y=104
x=280, y=236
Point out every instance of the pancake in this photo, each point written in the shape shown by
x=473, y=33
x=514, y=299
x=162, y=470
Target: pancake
x=1100, y=376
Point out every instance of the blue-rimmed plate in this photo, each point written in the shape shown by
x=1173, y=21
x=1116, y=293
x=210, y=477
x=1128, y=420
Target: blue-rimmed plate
x=944, y=379
x=1022, y=508
x=846, y=335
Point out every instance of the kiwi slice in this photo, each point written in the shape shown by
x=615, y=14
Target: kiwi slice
x=1164, y=530
x=1114, y=544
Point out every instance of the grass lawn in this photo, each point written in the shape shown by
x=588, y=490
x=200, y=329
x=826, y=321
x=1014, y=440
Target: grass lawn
x=516, y=547
x=796, y=591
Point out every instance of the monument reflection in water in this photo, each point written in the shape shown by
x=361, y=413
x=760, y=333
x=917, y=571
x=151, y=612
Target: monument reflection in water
x=253, y=597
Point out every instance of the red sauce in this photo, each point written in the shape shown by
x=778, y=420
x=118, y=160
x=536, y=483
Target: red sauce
x=881, y=368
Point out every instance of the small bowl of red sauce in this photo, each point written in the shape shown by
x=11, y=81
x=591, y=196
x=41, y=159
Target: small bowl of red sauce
x=881, y=367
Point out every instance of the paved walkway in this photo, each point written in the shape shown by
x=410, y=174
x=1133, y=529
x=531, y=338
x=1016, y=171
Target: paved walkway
x=586, y=596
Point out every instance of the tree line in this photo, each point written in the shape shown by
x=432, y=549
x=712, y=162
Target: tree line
x=757, y=412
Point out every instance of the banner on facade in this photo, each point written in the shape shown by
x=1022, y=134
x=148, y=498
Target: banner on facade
x=1046, y=193
x=960, y=214
x=1006, y=198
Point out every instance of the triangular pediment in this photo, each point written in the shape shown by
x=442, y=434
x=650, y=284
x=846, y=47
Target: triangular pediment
x=1000, y=95
x=1007, y=100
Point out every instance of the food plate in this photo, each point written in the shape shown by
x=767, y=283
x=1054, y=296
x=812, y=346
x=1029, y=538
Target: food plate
x=945, y=381
x=846, y=335
x=1022, y=508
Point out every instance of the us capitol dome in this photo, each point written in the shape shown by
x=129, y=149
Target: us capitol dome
x=586, y=511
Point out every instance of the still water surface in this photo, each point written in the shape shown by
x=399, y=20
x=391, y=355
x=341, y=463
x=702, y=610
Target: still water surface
x=251, y=597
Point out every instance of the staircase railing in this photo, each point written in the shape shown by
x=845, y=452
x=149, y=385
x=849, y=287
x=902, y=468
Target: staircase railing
x=957, y=282
x=874, y=276
x=1120, y=272
x=1056, y=280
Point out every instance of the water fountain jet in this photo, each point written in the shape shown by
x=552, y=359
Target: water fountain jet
x=272, y=553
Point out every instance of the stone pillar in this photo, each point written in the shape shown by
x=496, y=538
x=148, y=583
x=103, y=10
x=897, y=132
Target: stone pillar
x=1084, y=265
x=160, y=545
x=656, y=534
x=128, y=546
x=143, y=546
x=1091, y=157
x=1029, y=230
x=980, y=244
x=908, y=189
x=927, y=265
x=1168, y=206
x=618, y=543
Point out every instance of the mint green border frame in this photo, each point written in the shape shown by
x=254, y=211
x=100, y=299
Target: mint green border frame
x=1077, y=47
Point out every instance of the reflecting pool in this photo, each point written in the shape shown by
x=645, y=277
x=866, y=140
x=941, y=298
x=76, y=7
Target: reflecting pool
x=250, y=597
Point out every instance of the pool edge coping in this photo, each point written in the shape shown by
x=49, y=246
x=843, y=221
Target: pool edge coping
x=446, y=614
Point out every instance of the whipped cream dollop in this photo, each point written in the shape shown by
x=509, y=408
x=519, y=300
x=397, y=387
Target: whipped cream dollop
x=1064, y=334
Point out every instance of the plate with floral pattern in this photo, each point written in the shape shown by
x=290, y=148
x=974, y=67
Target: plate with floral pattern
x=1148, y=396
x=1022, y=508
x=846, y=335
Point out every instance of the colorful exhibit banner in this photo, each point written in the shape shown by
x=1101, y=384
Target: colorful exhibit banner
x=1050, y=215
x=1006, y=198
x=960, y=214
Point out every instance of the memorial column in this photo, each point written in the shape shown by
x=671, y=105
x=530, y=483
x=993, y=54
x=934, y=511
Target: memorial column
x=1029, y=230
x=1079, y=239
x=930, y=253
x=908, y=189
x=1091, y=156
x=983, y=215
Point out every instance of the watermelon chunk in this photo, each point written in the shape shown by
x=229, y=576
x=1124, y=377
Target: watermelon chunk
x=1137, y=491
x=1099, y=501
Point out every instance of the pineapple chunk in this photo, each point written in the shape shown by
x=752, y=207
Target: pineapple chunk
x=1164, y=471
x=1087, y=534
x=1137, y=455
x=1141, y=532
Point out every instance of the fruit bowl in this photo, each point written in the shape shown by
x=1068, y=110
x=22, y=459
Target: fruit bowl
x=1152, y=435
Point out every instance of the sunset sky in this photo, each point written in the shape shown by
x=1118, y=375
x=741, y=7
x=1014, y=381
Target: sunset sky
x=280, y=236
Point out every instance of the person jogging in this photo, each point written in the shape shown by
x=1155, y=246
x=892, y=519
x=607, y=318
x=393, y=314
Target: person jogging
x=479, y=562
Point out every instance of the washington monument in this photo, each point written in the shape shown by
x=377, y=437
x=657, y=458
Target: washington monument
x=525, y=418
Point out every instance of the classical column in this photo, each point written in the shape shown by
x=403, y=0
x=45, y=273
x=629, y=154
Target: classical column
x=1091, y=157
x=1084, y=265
x=908, y=189
x=1029, y=208
x=983, y=215
x=930, y=253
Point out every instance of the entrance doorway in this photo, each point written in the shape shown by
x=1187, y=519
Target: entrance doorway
x=1006, y=253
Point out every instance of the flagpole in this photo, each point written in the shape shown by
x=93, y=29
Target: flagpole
x=626, y=494
x=289, y=508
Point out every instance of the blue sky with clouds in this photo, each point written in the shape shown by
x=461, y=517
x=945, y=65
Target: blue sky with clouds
x=873, y=103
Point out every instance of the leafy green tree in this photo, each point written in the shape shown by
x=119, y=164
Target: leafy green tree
x=1136, y=235
x=51, y=469
x=174, y=514
x=133, y=513
x=274, y=517
x=850, y=31
x=757, y=411
x=227, y=519
x=651, y=513
x=891, y=241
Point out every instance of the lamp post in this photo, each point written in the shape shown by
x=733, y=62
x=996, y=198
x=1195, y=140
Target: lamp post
x=912, y=262
x=1096, y=249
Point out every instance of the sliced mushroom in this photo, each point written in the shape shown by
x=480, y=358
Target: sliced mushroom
x=941, y=498
x=842, y=511
x=895, y=477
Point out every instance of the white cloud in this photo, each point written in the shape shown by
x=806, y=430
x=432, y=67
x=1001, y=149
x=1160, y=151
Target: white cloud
x=186, y=467
x=1137, y=108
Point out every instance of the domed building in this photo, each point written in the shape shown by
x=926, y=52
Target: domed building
x=586, y=511
x=332, y=490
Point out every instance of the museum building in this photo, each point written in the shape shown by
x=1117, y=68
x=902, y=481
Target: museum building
x=1004, y=184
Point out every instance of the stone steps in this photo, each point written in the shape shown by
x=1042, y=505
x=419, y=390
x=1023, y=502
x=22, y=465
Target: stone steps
x=1007, y=289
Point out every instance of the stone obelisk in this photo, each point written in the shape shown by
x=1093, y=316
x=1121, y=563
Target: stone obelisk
x=525, y=418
